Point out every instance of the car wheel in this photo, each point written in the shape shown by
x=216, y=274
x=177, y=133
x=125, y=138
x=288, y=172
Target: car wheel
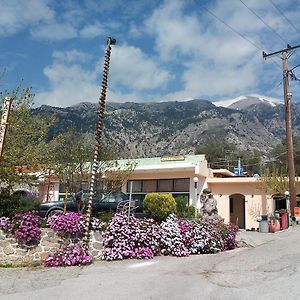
x=53, y=212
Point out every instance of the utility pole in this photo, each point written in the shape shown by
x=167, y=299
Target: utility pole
x=288, y=121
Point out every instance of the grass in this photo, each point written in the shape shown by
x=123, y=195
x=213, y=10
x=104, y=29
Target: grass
x=10, y=265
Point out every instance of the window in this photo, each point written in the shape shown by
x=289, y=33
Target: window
x=149, y=186
x=136, y=186
x=181, y=185
x=165, y=185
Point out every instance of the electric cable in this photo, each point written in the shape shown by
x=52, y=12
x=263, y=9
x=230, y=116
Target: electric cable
x=238, y=33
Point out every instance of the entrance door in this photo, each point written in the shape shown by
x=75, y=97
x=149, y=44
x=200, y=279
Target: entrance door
x=237, y=210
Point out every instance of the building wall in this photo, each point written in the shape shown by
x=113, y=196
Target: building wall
x=157, y=174
x=257, y=202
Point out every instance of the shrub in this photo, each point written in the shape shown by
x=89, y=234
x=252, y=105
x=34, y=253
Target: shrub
x=181, y=204
x=228, y=235
x=9, y=204
x=68, y=255
x=172, y=241
x=28, y=204
x=68, y=224
x=24, y=227
x=159, y=206
x=72, y=224
x=130, y=238
x=190, y=212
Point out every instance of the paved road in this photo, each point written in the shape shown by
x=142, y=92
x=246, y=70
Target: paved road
x=268, y=270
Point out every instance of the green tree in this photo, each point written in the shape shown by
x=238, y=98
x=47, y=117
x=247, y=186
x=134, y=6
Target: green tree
x=24, y=148
x=222, y=154
x=273, y=180
x=68, y=154
x=279, y=155
x=218, y=153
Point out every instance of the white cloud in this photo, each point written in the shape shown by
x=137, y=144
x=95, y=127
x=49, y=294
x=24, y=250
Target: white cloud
x=71, y=56
x=54, y=31
x=16, y=15
x=69, y=85
x=69, y=81
x=133, y=69
x=92, y=30
x=215, y=60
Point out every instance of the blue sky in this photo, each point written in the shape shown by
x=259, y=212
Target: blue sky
x=166, y=50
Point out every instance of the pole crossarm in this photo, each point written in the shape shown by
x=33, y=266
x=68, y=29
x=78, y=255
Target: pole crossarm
x=287, y=49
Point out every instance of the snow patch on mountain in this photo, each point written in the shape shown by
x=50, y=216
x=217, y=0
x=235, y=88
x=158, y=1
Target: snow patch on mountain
x=247, y=100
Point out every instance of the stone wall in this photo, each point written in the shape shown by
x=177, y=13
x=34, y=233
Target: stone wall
x=11, y=252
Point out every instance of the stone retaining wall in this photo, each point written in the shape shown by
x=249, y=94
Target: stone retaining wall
x=11, y=252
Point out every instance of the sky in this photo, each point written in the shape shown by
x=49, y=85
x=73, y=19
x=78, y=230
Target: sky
x=166, y=50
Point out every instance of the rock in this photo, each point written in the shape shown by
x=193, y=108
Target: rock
x=8, y=250
x=97, y=245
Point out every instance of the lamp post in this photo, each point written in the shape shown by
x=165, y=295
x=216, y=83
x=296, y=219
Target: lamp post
x=195, y=179
x=287, y=200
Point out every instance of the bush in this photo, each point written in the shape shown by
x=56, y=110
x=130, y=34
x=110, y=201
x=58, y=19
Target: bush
x=159, y=206
x=130, y=238
x=68, y=255
x=9, y=204
x=28, y=204
x=181, y=204
x=71, y=225
x=24, y=227
x=67, y=224
x=228, y=235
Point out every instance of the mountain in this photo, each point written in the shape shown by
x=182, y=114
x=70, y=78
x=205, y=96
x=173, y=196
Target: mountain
x=243, y=102
x=179, y=127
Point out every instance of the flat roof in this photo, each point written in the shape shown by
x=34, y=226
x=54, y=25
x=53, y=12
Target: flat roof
x=164, y=160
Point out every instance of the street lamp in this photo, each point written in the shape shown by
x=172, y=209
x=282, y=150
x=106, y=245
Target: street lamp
x=287, y=200
x=195, y=179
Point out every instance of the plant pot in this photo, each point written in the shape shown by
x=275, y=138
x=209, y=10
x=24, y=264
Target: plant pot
x=274, y=226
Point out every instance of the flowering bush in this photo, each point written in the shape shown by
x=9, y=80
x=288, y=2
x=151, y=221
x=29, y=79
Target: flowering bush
x=135, y=238
x=228, y=234
x=4, y=224
x=69, y=255
x=71, y=224
x=173, y=241
x=24, y=227
x=130, y=238
x=67, y=224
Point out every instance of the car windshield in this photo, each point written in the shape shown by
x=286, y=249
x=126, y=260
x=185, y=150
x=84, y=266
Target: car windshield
x=115, y=197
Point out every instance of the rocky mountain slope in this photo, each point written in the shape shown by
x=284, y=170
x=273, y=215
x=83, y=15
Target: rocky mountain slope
x=162, y=128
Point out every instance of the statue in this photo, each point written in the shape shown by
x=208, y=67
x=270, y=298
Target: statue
x=208, y=209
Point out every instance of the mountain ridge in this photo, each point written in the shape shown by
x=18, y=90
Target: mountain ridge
x=177, y=127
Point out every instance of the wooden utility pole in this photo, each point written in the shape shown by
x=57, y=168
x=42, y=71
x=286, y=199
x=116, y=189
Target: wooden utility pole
x=4, y=122
x=288, y=122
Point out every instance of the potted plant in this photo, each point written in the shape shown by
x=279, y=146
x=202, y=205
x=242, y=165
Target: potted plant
x=274, y=224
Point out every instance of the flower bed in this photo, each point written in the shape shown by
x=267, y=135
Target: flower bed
x=124, y=238
x=134, y=238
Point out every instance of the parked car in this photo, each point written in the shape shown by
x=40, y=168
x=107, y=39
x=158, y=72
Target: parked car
x=101, y=203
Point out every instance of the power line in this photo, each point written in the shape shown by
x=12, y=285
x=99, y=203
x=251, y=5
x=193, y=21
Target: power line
x=266, y=24
x=250, y=9
x=284, y=16
x=236, y=32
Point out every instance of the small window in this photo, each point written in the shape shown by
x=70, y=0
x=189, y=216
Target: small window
x=136, y=186
x=149, y=186
x=181, y=185
x=165, y=185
